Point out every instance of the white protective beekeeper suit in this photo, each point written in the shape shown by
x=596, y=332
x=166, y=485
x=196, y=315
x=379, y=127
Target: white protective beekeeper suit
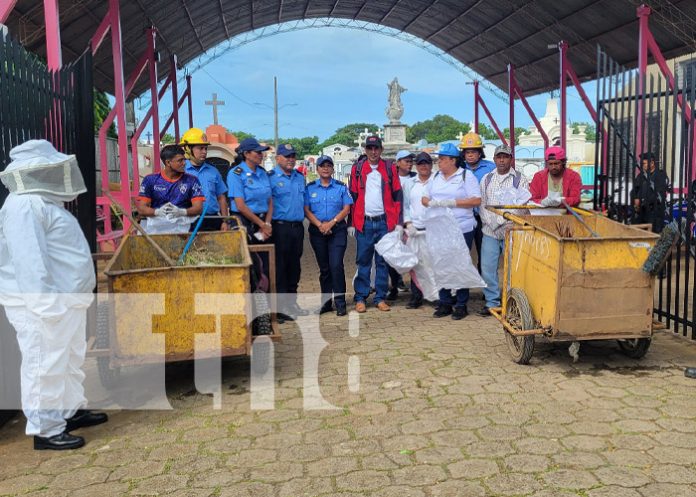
x=46, y=282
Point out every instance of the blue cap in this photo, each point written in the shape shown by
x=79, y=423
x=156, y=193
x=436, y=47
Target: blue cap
x=286, y=150
x=324, y=158
x=404, y=154
x=251, y=145
x=448, y=149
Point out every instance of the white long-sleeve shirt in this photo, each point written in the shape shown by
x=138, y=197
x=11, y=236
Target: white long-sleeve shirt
x=414, y=190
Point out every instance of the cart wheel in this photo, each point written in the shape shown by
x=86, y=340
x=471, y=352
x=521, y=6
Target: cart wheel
x=635, y=348
x=519, y=315
x=107, y=375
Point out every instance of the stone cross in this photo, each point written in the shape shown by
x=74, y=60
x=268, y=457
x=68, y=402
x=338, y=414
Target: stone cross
x=379, y=133
x=149, y=135
x=215, y=102
x=460, y=136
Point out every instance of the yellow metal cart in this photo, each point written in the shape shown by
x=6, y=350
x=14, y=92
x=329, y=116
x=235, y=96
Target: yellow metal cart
x=570, y=280
x=188, y=300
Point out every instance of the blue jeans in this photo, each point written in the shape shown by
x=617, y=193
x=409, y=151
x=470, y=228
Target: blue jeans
x=491, y=250
x=462, y=294
x=372, y=232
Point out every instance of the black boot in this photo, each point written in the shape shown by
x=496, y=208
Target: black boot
x=414, y=304
x=442, y=311
x=459, y=313
x=690, y=372
x=84, y=418
x=327, y=307
x=62, y=441
x=392, y=295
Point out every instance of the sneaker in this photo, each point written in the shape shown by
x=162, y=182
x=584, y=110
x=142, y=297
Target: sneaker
x=393, y=294
x=414, y=304
x=360, y=307
x=383, y=306
x=485, y=312
x=442, y=311
x=459, y=313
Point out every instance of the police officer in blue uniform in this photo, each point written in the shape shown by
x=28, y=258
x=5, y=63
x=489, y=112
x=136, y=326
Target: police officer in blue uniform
x=249, y=189
x=195, y=144
x=327, y=205
x=288, y=187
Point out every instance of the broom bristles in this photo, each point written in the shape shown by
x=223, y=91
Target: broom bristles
x=657, y=258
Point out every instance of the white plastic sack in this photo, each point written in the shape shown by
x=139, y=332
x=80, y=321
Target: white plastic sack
x=449, y=254
x=397, y=254
x=422, y=274
x=157, y=225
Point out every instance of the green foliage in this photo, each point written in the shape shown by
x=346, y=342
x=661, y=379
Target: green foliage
x=101, y=110
x=518, y=132
x=438, y=129
x=167, y=139
x=308, y=145
x=241, y=135
x=590, y=131
x=348, y=134
x=487, y=132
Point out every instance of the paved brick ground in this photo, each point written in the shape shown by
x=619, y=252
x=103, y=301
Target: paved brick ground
x=441, y=411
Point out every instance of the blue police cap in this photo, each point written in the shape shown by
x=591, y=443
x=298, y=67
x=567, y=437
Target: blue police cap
x=324, y=158
x=251, y=145
x=286, y=150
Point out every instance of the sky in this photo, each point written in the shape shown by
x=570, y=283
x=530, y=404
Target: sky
x=330, y=77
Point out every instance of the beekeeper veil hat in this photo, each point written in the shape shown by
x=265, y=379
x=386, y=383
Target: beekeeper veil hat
x=39, y=168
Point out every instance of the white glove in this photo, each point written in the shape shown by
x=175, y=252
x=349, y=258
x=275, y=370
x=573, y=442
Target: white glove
x=161, y=211
x=398, y=228
x=551, y=202
x=411, y=230
x=351, y=230
x=176, y=212
x=443, y=203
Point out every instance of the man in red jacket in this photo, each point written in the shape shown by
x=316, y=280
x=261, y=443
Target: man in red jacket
x=556, y=183
x=376, y=191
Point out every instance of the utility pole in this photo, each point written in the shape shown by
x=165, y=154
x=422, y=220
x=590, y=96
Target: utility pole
x=275, y=110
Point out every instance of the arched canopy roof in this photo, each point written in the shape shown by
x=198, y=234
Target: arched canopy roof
x=485, y=35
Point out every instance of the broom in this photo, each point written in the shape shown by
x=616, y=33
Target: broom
x=657, y=258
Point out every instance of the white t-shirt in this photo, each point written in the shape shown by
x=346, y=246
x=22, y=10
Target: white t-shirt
x=374, y=203
x=414, y=190
x=461, y=185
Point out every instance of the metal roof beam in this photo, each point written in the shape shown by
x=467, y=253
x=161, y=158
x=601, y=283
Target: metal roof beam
x=306, y=9
x=224, y=21
x=357, y=14
x=152, y=23
x=390, y=11
x=333, y=9
x=456, y=19
x=417, y=16
x=193, y=26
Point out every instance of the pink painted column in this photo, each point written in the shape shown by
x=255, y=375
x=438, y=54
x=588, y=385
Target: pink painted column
x=120, y=104
x=190, y=100
x=563, y=49
x=154, y=98
x=643, y=33
x=175, y=98
x=53, y=52
x=6, y=7
x=476, y=106
x=511, y=95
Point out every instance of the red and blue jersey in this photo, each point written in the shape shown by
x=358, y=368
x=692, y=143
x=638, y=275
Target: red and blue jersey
x=159, y=190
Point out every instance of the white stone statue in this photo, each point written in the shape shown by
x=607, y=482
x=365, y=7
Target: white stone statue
x=396, y=108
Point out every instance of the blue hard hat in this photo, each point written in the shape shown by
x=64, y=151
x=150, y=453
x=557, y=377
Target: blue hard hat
x=448, y=149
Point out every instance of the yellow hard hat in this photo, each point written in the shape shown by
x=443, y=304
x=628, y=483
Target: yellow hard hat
x=194, y=136
x=471, y=140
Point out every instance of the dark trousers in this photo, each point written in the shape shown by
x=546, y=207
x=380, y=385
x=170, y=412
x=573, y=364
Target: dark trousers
x=329, y=251
x=208, y=224
x=416, y=294
x=462, y=294
x=478, y=239
x=260, y=260
x=288, y=238
x=394, y=277
x=651, y=214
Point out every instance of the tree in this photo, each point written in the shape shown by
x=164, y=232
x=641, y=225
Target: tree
x=518, y=132
x=487, y=132
x=241, y=135
x=308, y=145
x=167, y=139
x=438, y=129
x=348, y=134
x=101, y=110
x=590, y=131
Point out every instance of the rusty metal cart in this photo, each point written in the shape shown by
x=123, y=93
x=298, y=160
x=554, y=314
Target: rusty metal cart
x=151, y=300
x=574, y=279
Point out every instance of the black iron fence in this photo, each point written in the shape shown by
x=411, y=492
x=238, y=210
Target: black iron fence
x=58, y=106
x=667, y=132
